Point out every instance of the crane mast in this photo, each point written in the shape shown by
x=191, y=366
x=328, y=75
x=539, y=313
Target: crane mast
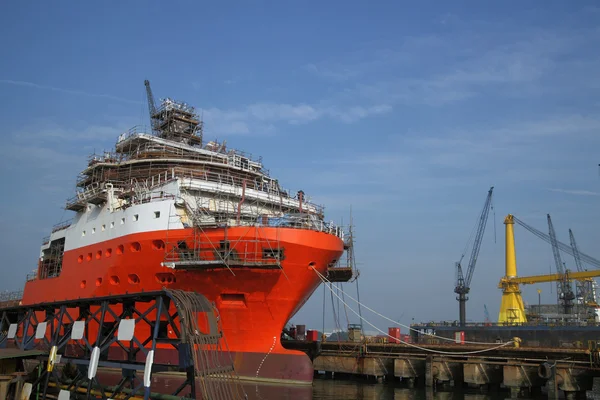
x=564, y=290
x=463, y=282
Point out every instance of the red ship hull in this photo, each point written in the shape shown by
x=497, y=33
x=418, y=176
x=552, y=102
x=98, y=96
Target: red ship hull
x=254, y=304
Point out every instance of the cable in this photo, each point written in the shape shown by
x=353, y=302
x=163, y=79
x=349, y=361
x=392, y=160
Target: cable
x=420, y=347
x=324, y=279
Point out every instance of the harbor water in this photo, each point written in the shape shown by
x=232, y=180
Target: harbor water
x=329, y=389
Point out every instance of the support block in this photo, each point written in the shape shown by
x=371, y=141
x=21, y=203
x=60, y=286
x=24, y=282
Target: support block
x=370, y=366
x=409, y=368
x=521, y=376
x=480, y=373
x=445, y=371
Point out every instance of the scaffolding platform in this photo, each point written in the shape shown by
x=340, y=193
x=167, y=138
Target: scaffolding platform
x=340, y=274
x=219, y=264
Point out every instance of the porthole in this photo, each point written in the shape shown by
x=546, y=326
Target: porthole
x=120, y=249
x=98, y=254
x=135, y=246
x=133, y=279
x=108, y=253
x=83, y=284
x=89, y=257
x=158, y=245
x=80, y=259
x=98, y=281
x=114, y=280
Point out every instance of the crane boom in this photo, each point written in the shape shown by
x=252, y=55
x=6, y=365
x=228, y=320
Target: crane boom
x=463, y=283
x=584, y=286
x=562, y=246
x=151, y=105
x=565, y=292
x=576, y=255
x=480, y=230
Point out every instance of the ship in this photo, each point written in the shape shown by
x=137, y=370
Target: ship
x=166, y=210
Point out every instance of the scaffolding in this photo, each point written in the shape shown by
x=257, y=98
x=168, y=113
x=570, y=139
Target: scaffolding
x=50, y=264
x=212, y=189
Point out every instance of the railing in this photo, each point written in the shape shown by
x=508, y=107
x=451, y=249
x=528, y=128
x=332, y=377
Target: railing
x=134, y=130
x=214, y=147
x=272, y=189
x=236, y=252
x=62, y=225
x=456, y=324
x=88, y=193
x=303, y=221
x=45, y=240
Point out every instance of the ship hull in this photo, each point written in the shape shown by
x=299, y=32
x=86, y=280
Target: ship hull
x=254, y=303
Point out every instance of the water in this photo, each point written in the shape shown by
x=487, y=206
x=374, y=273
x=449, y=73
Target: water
x=328, y=389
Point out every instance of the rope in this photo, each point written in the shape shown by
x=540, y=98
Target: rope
x=323, y=278
x=411, y=344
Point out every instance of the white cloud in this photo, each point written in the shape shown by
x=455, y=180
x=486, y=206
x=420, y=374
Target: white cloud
x=65, y=90
x=446, y=69
x=575, y=192
x=261, y=117
x=533, y=152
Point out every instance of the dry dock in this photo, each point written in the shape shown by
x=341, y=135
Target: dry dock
x=522, y=370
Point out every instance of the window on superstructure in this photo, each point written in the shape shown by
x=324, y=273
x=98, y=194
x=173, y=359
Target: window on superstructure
x=112, y=224
x=83, y=233
x=136, y=217
x=156, y=214
x=103, y=227
x=93, y=230
x=122, y=221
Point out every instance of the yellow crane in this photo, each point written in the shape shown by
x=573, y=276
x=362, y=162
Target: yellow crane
x=512, y=310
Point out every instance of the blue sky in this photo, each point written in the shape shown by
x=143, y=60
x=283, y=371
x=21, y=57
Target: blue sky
x=408, y=113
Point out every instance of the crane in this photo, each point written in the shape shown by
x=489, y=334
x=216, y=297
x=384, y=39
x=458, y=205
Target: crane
x=463, y=283
x=563, y=286
x=562, y=246
x=512, y=309
x=584, y=287
x=151, y=106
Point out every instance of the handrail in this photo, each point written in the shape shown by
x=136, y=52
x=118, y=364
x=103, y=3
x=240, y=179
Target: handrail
x=62, y=225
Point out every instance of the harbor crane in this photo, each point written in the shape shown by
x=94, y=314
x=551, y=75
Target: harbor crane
x=463, y=282
x=580, y=258
x=512, y=310
x=563, y=286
